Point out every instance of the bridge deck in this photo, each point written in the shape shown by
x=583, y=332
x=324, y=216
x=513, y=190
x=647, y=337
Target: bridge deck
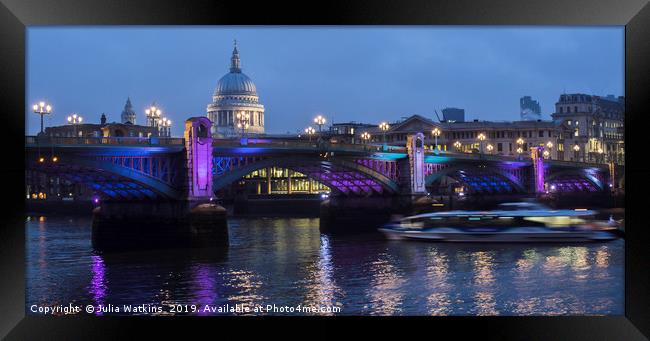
x=283, y=146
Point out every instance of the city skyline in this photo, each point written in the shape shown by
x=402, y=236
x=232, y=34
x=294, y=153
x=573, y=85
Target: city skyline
x=346, y=74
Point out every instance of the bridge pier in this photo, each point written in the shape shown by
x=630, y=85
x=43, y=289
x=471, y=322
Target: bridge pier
x=161, y=224
x=368, y=213
x=189, y=221
x=356, y=214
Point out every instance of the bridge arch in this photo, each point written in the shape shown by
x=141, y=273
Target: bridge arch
x=575, y=179
x=339, y=174
x=112, y=180
x=455, y=172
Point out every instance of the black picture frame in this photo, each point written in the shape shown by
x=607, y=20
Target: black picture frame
x=16, y=15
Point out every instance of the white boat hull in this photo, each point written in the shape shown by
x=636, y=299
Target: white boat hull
x=521, y=236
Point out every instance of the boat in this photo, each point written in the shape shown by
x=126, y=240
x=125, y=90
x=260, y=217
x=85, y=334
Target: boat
x=510, y=222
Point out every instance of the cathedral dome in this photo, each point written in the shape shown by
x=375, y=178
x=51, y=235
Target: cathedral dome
x=235, y=82
x=235, y=93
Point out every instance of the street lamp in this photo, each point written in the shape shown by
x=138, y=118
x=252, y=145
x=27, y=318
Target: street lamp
x=546, y=153
x=319, y=120
x=481, y=138
x=436, y=132
x=457, y=144
x=42, y=109
x=519, y=151
x=520, y=141
x=75, y=119
x=310, y=131
x=520, y=144
x=365, y=136
x=153, y=113
x=576, y=149
x=600, y=154
x=490, y=148
x=243, y=121
x=549, y=146
x=383, y=126
x=164, y=125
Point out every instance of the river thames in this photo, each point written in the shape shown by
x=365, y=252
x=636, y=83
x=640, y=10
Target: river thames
x=288, y=262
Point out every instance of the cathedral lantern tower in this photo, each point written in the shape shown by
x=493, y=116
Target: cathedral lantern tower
x=128, y=115
x=235, y=93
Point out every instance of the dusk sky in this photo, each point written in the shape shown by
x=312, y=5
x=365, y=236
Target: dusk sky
x=366, y=74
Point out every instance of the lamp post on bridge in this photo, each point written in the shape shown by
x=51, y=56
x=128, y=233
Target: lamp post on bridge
x=42, y=109
x=243, y=122
x=153, y=114
x=310, y=131
x=490, y=147
x=576, y=150
x=549, y=147
x=365, y=136
x=481, y=137
x=520, y=148
x=383, y=126
x=320, y=120
x=600, y=155
x=457, y=144
x=75, y=119
x=435, y=132
x=164, y=127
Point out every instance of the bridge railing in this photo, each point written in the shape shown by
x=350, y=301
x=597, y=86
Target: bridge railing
x=489, y=157
x=122, y=141
x=304, y=144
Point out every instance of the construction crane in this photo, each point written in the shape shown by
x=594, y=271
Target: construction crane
x=438, y=116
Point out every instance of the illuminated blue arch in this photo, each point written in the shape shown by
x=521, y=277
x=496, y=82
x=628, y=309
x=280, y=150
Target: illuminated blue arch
x=448, y=171
x=125, y=179
x=581, y=173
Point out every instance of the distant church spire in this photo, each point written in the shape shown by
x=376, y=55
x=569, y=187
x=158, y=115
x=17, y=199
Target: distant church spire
x=235, y=63
x=128, y=115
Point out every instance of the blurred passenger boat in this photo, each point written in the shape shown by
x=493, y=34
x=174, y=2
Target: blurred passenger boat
x=511, y=222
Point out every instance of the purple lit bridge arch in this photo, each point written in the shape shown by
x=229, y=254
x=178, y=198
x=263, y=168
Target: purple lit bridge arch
x=343, y=175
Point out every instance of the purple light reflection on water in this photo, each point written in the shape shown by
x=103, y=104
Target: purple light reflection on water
x=98, y=282
x=204, y=288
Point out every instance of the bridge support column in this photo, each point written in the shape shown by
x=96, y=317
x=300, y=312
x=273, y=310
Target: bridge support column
x=207, y=219
x=191, y=220
x=415, y=150
x=538, y=169
x=348, y=214
x=412, y=172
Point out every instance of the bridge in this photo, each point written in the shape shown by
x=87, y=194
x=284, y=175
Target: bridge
x=197, y=166
x=160, y=191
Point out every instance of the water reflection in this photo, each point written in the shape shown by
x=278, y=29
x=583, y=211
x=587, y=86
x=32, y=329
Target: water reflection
x=385, y=284
x=437, y=273
x=321, y=286
x=97, y=283
x=289, y=262
x=243, y=288
x=523, y=272
x=484, y=283
x=204, y=288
